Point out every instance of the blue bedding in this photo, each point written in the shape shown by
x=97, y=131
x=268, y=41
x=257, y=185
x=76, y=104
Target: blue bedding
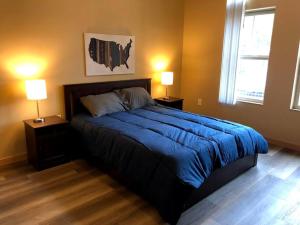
x=155, y=144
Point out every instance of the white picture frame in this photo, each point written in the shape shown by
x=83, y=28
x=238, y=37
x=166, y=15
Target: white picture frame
x=109, y=54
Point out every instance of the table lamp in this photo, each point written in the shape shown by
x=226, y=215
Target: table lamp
x=36, y=90
x=167, y=79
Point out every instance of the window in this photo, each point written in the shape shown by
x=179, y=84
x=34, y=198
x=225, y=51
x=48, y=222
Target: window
x=253, y=60
x=296, y=91
x=246, y=49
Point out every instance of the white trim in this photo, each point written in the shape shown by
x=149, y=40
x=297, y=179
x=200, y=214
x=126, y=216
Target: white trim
x=255, y=57
x=259, y=11
x=250, y=101
x=294, y=109
x=296, y=85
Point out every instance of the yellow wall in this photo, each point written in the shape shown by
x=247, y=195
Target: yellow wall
x=202, y=53
x=49, y=33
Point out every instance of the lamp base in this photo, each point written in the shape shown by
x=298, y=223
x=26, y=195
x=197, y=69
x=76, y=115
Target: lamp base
x=39, y=120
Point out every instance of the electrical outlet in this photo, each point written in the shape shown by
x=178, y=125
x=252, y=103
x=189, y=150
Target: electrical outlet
x=199, y=101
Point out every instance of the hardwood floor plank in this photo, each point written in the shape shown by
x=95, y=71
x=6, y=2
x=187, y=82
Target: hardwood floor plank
x=109, y=215
x=280, y=222
x=12, y=204
x=234, y=211
x=205, y=222
x=77, y=193
x=284, y=163
x=31, y=187
x=238, y=186
x=273, y=149
x=60, y=206
x=12, y=183
x=198, y=213
x=295, y=177
x=145, y=215
x=293, y=216
x=269, y=206
x=98, y=205
x=75, y=166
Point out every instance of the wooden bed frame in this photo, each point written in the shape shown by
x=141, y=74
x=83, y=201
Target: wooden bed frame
x=73, y=92
x=218, y=178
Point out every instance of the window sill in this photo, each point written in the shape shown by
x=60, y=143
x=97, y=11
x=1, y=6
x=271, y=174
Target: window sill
x=250, y=101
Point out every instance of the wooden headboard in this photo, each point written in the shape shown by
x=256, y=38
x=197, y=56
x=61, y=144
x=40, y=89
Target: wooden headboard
x=73, y=92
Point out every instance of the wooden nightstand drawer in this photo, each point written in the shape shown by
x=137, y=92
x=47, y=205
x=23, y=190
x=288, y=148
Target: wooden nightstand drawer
x=52, y=144
x=172, y=102
x=53, y=130
x=48, y=142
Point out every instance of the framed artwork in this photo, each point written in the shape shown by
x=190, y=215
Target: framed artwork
x=109, y=54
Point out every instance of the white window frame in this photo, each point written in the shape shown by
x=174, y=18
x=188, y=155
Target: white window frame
x=261, y=11
x=296, y=89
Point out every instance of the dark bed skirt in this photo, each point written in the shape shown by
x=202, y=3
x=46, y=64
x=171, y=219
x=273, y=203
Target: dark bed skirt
x=181, y=196
x=219, y=178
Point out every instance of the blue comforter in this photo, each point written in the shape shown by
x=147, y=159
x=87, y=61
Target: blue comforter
x=154, y=143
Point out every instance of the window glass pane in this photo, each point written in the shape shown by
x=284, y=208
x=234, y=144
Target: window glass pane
x=255, y=44
x=251, y=78
x=246, y=35
x=256, y=34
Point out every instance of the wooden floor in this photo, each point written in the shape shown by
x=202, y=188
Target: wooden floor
x=76, y=193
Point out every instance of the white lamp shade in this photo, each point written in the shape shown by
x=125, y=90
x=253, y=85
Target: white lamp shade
x=167, y=78
x=36, y=89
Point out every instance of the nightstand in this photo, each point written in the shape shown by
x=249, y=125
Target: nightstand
x=47, y=142
x=172, y=102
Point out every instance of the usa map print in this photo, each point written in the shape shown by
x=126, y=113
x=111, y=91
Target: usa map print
x=109, y=54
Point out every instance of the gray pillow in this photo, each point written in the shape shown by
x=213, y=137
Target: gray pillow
x=135, y=97
x=99, y=105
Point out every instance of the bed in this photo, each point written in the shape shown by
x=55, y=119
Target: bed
x=170, y=157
